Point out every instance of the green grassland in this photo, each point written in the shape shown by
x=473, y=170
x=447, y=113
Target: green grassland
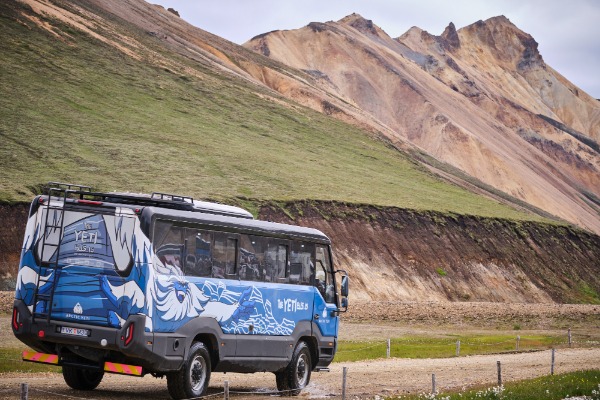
x=551, y=387
x=441, y=347
x=77, y=110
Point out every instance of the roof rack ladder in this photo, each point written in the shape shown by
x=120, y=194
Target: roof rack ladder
x=49, y=256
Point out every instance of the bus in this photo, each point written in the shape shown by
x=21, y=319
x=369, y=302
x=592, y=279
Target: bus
x=166, y=285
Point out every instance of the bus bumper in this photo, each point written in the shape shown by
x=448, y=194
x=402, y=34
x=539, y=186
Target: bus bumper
x=130, y=345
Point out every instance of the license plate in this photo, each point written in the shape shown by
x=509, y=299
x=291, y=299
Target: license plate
x=74, y=331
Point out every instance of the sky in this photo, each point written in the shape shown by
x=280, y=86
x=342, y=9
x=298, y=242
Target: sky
x=568, y=31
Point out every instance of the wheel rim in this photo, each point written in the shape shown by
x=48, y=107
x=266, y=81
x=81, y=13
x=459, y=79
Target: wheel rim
x=302, y=370
x=197, y=373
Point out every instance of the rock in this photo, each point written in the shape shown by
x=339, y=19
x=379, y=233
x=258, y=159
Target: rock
x=450, y=39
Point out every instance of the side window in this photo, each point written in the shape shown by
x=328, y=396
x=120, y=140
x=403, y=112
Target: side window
x=253, y=252
x=323, y=274
x=276, y=262
x=198, y=258
x=302, y=264
x=168, y=242
x=224, y=251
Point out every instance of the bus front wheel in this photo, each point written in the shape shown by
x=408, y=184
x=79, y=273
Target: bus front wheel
x=192, y=380
x=293, y=378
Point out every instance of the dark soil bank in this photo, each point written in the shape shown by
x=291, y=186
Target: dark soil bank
x=407, y=255
x=12, y=227
x=397, y=254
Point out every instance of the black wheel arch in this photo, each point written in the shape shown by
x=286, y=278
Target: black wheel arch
x=313, y=347
x=212, y=345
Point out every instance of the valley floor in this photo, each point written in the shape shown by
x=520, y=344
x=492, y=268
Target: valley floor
x=374, y=321
x=365, y=379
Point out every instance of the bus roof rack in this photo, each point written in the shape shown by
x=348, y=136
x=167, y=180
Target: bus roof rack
x=61, y=186
x=156, y=199
x=172, y=197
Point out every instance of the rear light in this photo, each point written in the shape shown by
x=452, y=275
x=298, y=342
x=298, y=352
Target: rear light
x=128, y=337
x=15, y=319
x=89, y=202
x=41, y=200
x=41, y=334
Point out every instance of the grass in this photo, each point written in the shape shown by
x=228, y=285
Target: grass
x=11, y=361
x=78, y=110
x=433, y=347
x=552, y=387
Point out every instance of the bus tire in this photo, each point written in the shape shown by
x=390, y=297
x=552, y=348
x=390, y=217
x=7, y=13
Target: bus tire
x=82, y=379
x=293, y=378
x=192, y=379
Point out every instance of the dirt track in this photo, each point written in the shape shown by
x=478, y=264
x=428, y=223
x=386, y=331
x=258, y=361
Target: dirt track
x=365, y=379
x=379, y=377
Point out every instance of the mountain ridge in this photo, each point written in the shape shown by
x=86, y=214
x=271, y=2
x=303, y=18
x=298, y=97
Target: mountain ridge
x=126, y=96
x=469, y=97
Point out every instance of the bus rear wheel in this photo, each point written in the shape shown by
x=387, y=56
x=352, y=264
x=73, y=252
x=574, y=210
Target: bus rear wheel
x=293, y=378
x=192, y=380
x=82, y=379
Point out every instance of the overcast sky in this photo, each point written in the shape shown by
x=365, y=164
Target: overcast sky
x=568, y=31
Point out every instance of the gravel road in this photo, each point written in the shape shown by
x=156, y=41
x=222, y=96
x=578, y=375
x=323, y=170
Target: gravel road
x=366, y=379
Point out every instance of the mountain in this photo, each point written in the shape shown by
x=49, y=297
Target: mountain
x=480, y=98
x=125, y=95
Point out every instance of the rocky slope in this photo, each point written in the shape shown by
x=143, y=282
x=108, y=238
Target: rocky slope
x=394, y=254
x=402, y=255
x=480, y=98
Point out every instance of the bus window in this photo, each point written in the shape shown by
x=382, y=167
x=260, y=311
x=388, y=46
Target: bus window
x=323, y=276
x=198, y=259
x=253, y=254
x=302, y=265
x=276, y=263
x=224, y=250
x=168, y=241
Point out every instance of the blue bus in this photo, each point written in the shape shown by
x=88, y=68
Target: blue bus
x=165, y=285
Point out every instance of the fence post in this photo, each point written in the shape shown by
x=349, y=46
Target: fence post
x=226, y=390
x=499, y=373
x=388, y=348
x=518, y=340
x=24, y=391
x=345, y=371
x=569, y=337
x=433, y=388
x=457, y=348
x=552, y=364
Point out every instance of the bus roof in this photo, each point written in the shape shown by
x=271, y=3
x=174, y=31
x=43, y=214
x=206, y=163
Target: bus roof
x=242, y=225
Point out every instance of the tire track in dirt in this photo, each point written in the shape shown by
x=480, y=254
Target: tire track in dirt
x=364, y=379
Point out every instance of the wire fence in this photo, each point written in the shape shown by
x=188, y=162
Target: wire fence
x=521, y=344
x=341, y=391
x=395, y=347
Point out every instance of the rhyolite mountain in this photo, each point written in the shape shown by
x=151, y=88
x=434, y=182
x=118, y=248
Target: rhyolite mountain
x=125, y=95
x=480, y=98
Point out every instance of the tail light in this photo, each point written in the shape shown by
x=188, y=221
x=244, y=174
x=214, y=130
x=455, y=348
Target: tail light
x=128, y=337
x=89, y=202
x=15, y=319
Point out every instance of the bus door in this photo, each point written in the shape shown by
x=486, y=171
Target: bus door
x=325, y=306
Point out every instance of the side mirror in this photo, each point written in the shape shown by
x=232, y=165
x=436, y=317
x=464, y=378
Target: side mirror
x=344, y=302
x=345, y=283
